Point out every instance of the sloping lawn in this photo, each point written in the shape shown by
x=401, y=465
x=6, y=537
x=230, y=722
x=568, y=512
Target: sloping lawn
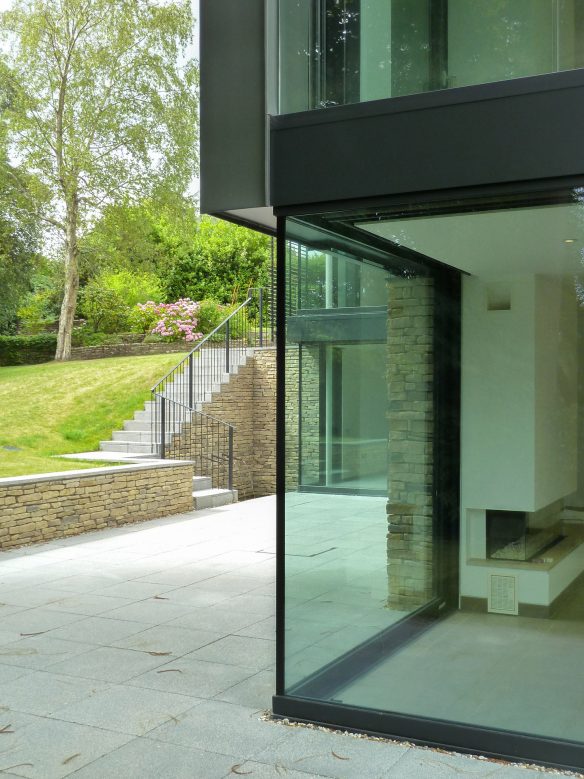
x=62, y=408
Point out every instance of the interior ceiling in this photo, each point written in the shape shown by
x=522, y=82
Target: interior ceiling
x=495, y=243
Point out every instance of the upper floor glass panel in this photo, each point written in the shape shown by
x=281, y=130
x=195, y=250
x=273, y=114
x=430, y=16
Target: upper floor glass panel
x=334, y=52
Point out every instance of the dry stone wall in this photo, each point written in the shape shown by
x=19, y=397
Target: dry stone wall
x=410, y=416
x=125, y=350
x=310, y=413
x=291, y=416
x=48, y=506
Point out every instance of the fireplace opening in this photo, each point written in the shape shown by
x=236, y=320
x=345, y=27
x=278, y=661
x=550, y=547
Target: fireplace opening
x=510, y=536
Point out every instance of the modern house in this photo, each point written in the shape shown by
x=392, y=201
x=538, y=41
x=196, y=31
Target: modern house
x=422, y=162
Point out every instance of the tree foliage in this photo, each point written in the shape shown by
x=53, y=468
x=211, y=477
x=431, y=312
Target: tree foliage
x=106, y=301
x=17, y=264
x=19, y=238
x=223, y=261
x=102, y=109
x=140, y=237
x=40, y=306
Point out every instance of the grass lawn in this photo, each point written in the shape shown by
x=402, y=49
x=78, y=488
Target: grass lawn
x=62, y=408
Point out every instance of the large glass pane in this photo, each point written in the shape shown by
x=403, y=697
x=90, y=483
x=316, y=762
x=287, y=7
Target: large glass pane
x=505, y=652
x=334, y=52
x=360, y=516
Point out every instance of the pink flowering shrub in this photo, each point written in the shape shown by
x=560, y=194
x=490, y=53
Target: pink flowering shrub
x=176, y=321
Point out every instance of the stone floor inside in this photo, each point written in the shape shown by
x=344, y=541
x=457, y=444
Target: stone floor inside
x=489, y=670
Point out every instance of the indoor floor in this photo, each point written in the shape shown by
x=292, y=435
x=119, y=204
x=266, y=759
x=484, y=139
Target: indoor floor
x=491, y=670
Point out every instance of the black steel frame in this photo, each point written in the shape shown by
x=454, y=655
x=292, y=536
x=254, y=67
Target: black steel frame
x=471, y=739
x=425, y=731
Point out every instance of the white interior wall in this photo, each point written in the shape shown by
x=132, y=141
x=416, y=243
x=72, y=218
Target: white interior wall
x=556, y=382
x=498, y=398
x=519, y=421
x=577, y=498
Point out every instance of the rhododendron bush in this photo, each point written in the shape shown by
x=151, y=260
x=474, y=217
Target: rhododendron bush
x=176, y=321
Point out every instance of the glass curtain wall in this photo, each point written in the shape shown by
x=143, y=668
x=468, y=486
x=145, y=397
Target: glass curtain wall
x=460, y=600
x=335, y=52
x=338, y=314
x=360, y=463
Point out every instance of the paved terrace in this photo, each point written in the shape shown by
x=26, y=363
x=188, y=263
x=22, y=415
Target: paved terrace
x=148, y=652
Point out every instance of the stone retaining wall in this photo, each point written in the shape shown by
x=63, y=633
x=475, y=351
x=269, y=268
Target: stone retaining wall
x=410, y=397
x=56, y=505
x=125, y=350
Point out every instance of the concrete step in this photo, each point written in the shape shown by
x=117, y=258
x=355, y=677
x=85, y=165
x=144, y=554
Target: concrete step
x=199, y=393
x=131, y=425
x=139, y=436
x=128, y=447
x=202, y=373
x=183, y=397
x=202, y=483
x=146, y=416
x=209, y=378
x=212, y=498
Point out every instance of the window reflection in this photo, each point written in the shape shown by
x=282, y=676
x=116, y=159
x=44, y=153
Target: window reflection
x=335, y=52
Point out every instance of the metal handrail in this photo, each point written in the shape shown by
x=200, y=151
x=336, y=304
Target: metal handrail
x=203, y=341
x=209, y=421
x=191, y=382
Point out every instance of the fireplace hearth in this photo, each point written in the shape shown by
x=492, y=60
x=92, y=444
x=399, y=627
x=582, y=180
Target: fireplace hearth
x=510, y=536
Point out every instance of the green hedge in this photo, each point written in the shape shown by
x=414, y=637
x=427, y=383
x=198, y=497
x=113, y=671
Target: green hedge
x=27, y=349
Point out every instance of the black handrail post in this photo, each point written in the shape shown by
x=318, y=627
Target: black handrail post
x=163, y=428
x=227, y=346
x=230, y=464
x=261, y=316
x=191, y=380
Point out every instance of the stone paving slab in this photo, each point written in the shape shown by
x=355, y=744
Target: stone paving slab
x=154, y=659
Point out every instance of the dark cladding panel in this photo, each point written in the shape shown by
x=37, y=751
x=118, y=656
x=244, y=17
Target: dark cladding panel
x=232, y=105
x=512, y=131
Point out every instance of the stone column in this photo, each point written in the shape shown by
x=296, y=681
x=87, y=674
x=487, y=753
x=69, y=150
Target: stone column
x=291, y=420
x=410, y=418
x=310, y=413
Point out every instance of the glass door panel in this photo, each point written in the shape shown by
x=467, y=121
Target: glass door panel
x=363, y=549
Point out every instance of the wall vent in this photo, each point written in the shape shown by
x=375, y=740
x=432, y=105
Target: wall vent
x=498, y=298
x=503, y=594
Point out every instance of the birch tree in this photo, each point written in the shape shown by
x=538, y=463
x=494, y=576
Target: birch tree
x=103, y=109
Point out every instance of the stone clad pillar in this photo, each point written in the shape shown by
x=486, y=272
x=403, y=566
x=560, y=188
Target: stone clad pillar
x=310, y=413
x=291, y=418
x=410, y=449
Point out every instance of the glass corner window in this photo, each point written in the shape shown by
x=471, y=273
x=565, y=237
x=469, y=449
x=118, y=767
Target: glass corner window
x=335, y=52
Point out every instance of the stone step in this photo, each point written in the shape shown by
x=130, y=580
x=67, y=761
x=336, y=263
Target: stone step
x=146, y=416
x=184, y=397
x=202, y=374
x=212, y=498
x=209, y=378
x=128, y=447
x=144, y=427
x=181, y=392
x=132, y=424
x=202, y=483
x=139, y=436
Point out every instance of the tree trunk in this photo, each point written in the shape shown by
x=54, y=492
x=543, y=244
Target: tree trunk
x=71, y=283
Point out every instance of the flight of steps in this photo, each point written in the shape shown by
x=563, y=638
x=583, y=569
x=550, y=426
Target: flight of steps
x=136, y=437
x=135, y=441
x=207, y=497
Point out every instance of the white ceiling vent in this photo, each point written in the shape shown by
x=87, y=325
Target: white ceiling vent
x=503, y=594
